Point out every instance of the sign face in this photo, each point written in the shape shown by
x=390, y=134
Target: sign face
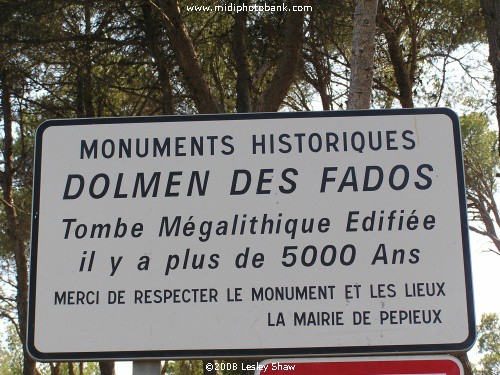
x=250, y=235
x=428, y=365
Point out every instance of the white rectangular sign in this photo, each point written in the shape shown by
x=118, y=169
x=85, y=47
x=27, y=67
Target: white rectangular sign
x=250, y=235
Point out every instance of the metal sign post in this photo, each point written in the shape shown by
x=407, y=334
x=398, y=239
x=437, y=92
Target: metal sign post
x=146, y=367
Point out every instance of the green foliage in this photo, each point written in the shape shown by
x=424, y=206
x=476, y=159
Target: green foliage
x=480, y=145
x=11, y=353
x=184, y=368
x=489, y=345
x=62, y=368
x=481, y=162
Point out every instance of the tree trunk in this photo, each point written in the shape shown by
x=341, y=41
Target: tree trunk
x=462, y=357
x=164, y=368
x=13, y=225
x=87, y=69
x=79, y=104
x=401, y=73
x=272, y=97
x=55, y=368
x=160, y=63
x=491, y=13
x=363, y=51
x=71, y=369
x=107, y=368
x=188, y=60
x=243, y=78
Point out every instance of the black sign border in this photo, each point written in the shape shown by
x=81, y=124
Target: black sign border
x=262, y=352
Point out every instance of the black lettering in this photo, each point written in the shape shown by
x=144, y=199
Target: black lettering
x=325, y=178
x=171, y=182
x=378, y=179
x=202, y=188
x=153, y=183
x=263, y=180
x=349, y=180
x=69, y=181
x=406, y=176
x=60, y=299
x=292, y=183
x=108, y=152
x=420, y=173
x=159, y=149
x=86, y=151
x=245, y=188
x=105, y=187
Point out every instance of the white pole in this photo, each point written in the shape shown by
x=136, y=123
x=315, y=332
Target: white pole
x=146, y=368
